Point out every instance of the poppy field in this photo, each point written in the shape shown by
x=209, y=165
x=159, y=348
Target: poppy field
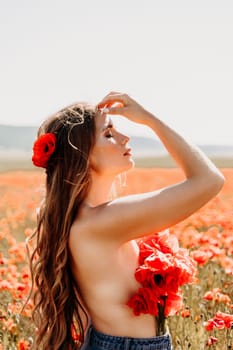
x=206, y=319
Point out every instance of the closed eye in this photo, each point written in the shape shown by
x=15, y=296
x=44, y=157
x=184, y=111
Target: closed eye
x=108, y=130
x=109, y=134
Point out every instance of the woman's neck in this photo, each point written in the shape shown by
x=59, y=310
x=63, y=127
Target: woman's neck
x=101, y=190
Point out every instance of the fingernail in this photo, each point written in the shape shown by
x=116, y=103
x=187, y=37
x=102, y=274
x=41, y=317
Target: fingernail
x=105, y=110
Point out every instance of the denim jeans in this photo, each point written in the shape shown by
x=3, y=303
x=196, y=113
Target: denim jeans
x=100, y=341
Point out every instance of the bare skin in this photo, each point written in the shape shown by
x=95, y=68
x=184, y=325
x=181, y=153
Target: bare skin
x=102, y=238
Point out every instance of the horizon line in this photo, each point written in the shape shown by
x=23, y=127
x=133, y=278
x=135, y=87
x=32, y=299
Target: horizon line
x=150, y=137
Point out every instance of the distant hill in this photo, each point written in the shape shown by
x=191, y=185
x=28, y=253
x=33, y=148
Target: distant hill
x=21, y=138
x=18, y=138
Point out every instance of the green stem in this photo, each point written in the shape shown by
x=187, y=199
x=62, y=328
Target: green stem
x=161, y=319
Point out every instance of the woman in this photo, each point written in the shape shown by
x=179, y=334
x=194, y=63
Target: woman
x=86, y=250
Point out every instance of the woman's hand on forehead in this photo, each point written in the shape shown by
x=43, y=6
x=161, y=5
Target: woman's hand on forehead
x=122, y=104
x=113, y=98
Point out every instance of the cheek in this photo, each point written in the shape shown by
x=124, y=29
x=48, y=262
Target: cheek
x=105, y=148
x=104, y=155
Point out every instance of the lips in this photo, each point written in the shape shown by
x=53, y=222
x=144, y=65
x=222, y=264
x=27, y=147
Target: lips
x=128, y=152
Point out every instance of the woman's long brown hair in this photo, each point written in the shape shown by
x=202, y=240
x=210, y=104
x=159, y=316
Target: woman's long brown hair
x=58, y=308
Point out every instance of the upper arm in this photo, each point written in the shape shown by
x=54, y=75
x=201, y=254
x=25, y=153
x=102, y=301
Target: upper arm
x=134, y=216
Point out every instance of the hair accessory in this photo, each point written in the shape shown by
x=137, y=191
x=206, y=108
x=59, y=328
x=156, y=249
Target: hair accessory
x=43, y=148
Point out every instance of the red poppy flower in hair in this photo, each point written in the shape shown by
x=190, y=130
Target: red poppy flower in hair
x=43, y=148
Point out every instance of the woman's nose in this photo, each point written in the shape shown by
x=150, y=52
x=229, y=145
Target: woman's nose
x=125, y=139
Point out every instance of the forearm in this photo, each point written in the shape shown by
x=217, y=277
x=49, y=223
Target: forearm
x=188, y=156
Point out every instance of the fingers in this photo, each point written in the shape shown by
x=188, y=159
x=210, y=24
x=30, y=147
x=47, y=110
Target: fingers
x=114, y=110
x=113, y=98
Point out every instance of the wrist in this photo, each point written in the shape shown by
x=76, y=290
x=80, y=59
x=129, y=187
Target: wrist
x=149, y=119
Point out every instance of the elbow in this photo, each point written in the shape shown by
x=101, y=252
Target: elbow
x=216, y=183
x=221, y=180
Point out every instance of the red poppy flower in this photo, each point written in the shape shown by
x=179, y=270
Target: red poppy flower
x=185, y=313
x=220, y=320
x=217, y=296
x=144, y=302
x=202, y=256
x=43, y=147
x=23, y=345
x=162, y=241
x=163, y=268
x=146, y=248
x=214, y=323
x=168, y=243
x=211, y=341
x=174, y=303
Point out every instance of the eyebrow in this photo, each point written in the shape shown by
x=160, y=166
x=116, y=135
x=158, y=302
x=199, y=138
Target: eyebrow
x=109, y=126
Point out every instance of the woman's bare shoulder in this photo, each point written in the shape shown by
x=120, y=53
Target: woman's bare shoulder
x=80, y=224
x=86, y=223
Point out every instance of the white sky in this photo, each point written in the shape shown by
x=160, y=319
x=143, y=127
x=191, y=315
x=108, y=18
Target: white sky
x=173, y=56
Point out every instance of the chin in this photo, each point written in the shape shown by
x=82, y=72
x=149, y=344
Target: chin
x=130, y=165
x=122, y=169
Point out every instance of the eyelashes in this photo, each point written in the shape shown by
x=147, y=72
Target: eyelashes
x=109, y=134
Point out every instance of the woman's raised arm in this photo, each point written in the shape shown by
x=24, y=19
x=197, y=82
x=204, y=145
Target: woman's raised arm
x=133, y=216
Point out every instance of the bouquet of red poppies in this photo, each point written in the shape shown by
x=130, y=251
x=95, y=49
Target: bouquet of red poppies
x=163, y=268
